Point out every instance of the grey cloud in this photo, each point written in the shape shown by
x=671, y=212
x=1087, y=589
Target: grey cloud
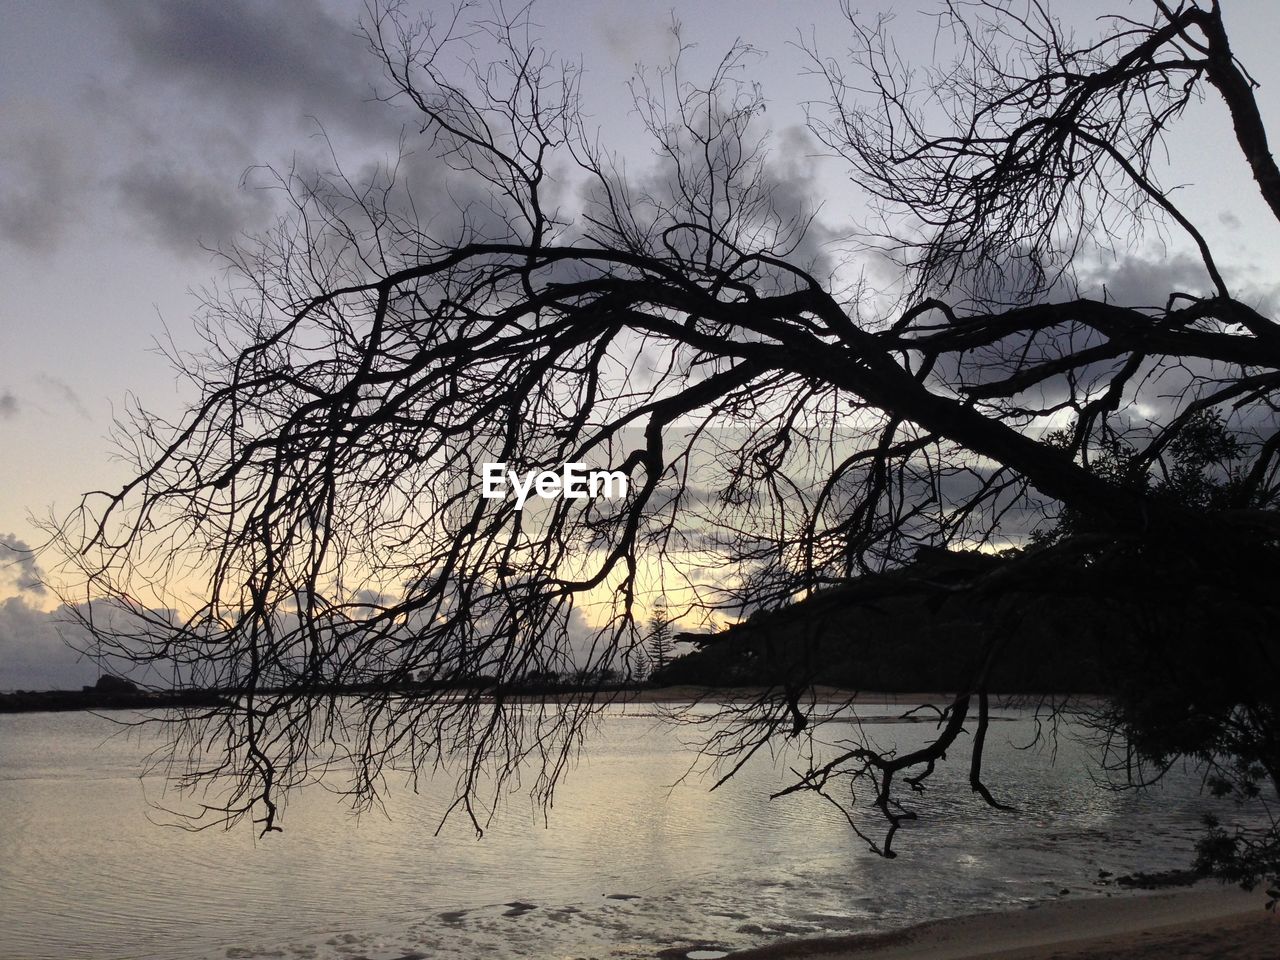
x=1143, y=280
x=64, y=392
x=52, y=650
x=636, y=34
x=1146, y=281
x=413, y=193
x=183, y=209
x=8, y=405
x=39, y=191
x=18, y=565
x=33, y=654
x=372, y=598
x=793, y=192
x=784, y=193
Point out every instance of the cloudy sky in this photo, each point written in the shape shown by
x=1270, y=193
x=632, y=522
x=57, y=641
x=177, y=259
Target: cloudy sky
x=132, y=140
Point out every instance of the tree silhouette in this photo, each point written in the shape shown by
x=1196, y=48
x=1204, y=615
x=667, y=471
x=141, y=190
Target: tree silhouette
x=782, y=422
x=660, y=638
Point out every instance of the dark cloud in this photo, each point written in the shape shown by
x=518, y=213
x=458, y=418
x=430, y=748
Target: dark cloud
x=227, y=86
x=231, y=86
x=255, y=57
x=8, y=405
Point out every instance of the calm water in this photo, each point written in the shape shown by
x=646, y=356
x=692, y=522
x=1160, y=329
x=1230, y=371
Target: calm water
x=628, y=864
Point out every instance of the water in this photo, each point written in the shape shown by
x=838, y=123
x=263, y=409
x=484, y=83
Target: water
x=631, y=862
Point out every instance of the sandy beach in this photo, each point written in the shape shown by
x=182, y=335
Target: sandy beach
x=1207, y=922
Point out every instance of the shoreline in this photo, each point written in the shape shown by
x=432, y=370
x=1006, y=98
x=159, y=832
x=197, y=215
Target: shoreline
x=61, y=701
x=1208, y=921
x=824, y=694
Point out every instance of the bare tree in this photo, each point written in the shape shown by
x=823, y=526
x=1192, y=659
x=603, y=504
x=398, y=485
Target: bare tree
x=789, y=428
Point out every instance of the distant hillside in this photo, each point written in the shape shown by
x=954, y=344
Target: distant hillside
x=909, y=630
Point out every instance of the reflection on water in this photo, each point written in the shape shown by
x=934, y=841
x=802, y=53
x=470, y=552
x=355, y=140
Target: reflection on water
x=630, y=860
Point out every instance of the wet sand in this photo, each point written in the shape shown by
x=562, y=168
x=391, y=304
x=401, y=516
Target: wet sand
x=1206, y=923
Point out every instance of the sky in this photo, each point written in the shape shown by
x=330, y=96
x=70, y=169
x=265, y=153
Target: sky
x=133, y=142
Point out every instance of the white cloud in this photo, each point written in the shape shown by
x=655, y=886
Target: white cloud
x=18, y=567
